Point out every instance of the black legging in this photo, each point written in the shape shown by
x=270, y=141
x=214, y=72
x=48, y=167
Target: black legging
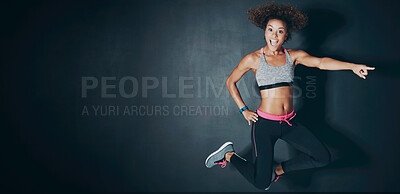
x=265, y=133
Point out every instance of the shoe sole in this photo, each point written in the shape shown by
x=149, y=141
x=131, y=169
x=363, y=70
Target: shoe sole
x=269, y=186
x=219, y=149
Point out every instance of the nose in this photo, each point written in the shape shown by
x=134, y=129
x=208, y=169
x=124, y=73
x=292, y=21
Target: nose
x=274, y=34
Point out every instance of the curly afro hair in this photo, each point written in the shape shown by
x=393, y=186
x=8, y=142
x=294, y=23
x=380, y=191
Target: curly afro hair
x=295, y=20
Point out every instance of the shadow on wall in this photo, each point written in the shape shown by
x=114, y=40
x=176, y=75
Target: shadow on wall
x=322, y=24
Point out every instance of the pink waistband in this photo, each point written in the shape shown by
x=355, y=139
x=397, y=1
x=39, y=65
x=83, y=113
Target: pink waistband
x=286, y=117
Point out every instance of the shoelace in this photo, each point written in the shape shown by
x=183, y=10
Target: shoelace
x=285, y=119
x=276, y=178
x=223, y=163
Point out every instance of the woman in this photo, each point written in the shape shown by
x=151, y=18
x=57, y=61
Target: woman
x=273, y=67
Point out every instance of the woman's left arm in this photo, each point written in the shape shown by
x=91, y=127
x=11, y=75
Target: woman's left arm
x=327, y=63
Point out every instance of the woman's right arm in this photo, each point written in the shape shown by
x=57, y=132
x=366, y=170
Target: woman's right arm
x=237, y=73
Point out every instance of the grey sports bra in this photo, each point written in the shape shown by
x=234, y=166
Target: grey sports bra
x=268, y=76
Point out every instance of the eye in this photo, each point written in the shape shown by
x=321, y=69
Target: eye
x=270, y=29
x=280, y=31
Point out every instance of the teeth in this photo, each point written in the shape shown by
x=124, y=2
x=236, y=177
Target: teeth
x=273, y=42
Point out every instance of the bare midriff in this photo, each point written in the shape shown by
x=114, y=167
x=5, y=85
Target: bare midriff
x=277, y=101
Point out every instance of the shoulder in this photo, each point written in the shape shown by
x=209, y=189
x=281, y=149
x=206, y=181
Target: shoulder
x=296, y=53
x=251, y=60
x=302, y=57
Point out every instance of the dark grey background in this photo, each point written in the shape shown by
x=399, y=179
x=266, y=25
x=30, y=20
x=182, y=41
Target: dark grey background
x=47, y=47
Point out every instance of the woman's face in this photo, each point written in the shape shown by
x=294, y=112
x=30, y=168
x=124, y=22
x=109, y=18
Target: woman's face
x=275, y=34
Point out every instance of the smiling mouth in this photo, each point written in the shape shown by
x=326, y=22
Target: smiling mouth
x=273, y=42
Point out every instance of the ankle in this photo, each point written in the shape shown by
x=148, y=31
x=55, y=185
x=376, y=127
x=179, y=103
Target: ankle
x=228, y=156
x=279, y=170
